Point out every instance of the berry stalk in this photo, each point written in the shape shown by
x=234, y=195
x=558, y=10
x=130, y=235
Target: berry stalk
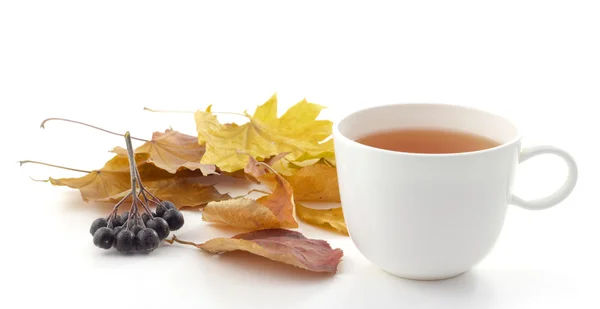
x=113, y=214
x=132, y=167
x=154, y=199
x=133, y=173
x=136, y=180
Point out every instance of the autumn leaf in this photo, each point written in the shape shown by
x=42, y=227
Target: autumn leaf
x=297, y=131
x=270, y=211
x=185, y=193
x=242, y=212
x=279, y=245
x=172, y=151
x=112, y=182
x=331, y=218
x=182, y=191
x=315, y=183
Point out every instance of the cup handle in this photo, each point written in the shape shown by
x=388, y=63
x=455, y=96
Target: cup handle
x=562, y=192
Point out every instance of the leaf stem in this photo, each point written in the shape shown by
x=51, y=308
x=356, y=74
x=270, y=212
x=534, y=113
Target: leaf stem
x=231, y=113
x=190, y=112
x=52, y=165
x=88, y=125
x=167, y=111
x=175, y=239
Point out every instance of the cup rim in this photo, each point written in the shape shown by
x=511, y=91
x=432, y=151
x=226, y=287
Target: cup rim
x=337, y=134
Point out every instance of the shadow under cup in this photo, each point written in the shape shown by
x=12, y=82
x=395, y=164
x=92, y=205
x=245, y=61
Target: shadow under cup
x=425, y=216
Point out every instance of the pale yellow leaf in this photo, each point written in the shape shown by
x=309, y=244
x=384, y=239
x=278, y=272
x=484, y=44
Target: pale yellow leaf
x=332, y=218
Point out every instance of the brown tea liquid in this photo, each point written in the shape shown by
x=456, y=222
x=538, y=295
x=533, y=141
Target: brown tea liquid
x=427, y=141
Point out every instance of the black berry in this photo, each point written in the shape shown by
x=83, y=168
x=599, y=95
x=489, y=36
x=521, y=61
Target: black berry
x=125, y=241
x=160, y=210
x=104, y=238
x=147, y=240
x=163, y=207
x=168, y=205
x=117, y=230
x=174, y=218
x=114, y=222
x=98, y=223
x=136, y=229
x=123, y=218
x=146, y=217
x=160, y=226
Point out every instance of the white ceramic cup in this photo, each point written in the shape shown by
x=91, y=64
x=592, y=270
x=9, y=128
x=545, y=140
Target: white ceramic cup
x=431, y=216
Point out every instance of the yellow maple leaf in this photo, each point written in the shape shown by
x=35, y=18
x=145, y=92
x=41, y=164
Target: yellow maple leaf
x=296, y=132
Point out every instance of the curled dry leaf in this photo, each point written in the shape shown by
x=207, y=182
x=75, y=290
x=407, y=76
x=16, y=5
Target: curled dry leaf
x=297, y=131
x=275, y=210
x=331, y=218
x=172, y=151
x=279, y=245
x=242, y=212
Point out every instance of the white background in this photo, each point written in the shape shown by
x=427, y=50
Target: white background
x=536, y=62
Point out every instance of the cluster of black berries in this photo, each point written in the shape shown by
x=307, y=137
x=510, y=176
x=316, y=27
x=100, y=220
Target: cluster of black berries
x=130, y=232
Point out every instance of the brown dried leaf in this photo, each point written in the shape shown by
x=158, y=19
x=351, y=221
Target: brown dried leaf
x=112, y=179
x=331, y=218
x=112, y=182
x=172, y=151
x=182, y=191
x=185, y=193
x=269, y=211
x=279, y=245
